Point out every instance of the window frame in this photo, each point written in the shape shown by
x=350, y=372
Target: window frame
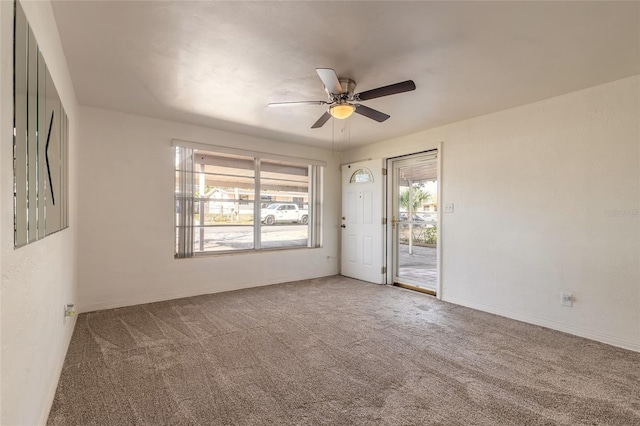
x=313, y=205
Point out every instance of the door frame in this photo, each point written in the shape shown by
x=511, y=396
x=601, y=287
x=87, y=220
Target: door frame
x=388, y=194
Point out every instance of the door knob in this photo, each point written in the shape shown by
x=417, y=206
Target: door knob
x=343, y=226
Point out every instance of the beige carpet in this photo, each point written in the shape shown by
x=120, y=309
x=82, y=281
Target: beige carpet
x=335, y=351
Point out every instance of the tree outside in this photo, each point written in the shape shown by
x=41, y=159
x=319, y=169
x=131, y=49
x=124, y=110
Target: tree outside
x=420, y=236
x=420, y=195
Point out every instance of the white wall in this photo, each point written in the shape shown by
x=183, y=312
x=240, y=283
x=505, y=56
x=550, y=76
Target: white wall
x=38, y=279
x=126, y=223
x=531, y=187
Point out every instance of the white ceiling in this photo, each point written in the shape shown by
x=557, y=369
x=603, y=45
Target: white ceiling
x=218, y=64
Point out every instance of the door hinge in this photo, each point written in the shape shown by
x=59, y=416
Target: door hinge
x=384, y=171
x=384, y=270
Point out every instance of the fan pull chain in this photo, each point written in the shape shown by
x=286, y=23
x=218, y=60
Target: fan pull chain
x=349, y=138
x=333, y=137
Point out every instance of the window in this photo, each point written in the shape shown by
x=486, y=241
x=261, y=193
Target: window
x=361, y=176
x=216, y=208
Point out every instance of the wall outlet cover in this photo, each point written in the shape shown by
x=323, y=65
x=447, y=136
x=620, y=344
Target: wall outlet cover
x=566, y=299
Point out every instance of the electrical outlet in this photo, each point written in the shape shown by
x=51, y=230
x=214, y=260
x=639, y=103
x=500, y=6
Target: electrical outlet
x=566, y=299
x=448, y=208
x=69, y=311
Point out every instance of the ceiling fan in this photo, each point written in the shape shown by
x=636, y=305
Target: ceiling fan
x=343, y=102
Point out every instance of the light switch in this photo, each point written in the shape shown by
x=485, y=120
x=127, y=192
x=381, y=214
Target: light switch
x=448, y=208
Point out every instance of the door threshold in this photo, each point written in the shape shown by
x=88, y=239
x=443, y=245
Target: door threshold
x=416, y=288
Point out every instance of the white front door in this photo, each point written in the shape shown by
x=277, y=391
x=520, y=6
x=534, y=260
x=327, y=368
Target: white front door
x=362, y=227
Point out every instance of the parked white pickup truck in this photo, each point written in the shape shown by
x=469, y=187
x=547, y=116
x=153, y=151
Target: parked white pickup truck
x=283, y=212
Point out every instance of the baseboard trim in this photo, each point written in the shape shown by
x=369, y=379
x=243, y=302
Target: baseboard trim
x=171, y=295
x=554, y=325
x=53, y=387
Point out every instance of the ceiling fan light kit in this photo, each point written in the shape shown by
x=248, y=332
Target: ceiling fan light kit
x=341, y=110
x=342, y=100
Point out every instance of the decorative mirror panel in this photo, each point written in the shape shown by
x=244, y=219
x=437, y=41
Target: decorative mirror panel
x=40, y=143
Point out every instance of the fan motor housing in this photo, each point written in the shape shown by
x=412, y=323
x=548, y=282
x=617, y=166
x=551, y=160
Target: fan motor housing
x=348, y=89
x=348, y=86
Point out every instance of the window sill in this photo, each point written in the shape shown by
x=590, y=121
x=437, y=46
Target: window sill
x=247, y=251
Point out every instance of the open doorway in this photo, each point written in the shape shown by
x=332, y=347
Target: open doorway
x=413, y=191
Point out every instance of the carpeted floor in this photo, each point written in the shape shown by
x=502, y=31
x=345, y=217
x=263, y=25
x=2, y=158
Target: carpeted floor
x=335, y=351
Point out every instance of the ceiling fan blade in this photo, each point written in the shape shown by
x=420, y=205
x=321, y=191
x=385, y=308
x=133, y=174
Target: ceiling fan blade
x=325, y=117
x=330, y=80
x=392, y=89
x=285, y=104
x=371, y=113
